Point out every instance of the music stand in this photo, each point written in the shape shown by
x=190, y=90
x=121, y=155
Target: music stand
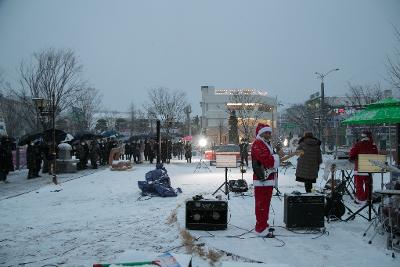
x=365, y=165
x=201, y=163
x=277, y=193
x=347, y=176
x=225, y=161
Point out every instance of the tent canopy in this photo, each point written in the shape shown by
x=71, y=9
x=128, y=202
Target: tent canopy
x=384, y=111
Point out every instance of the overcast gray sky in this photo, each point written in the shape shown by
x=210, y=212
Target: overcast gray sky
x=128, y=47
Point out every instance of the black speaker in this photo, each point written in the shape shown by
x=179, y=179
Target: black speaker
x=206, y=215
x=304, y=211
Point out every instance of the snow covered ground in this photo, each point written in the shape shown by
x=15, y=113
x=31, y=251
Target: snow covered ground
x=98, y=215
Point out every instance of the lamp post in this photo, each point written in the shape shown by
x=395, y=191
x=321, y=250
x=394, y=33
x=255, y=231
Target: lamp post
x=321, y=76
x=188, y=110
x=42, y=106
x=53, y=124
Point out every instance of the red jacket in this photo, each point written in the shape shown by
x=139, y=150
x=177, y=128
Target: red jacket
x=362, y=147
x=261, y=153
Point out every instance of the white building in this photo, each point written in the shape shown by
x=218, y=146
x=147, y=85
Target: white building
x=216, y=104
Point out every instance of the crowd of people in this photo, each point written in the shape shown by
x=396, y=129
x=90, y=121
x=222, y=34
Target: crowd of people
x=92, y=153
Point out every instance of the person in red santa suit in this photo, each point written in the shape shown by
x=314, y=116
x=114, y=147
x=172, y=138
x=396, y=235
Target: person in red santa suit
x=362, y=180
x=263, y=159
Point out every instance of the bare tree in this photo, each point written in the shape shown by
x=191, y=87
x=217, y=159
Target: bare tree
x=86, y=103
x=359, y=95
x=167, y=106
x=248, y=109
x=54, y=75
x=303, y=116
x=393, y=64
x=16, y=123
x=18, y=118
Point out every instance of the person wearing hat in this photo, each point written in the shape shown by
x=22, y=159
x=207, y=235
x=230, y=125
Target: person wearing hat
x=244, y=153
x=361, y=180
x=308, y=164
x=263, y=158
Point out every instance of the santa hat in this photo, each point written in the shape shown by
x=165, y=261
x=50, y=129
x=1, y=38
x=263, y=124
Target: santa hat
x=262, y=128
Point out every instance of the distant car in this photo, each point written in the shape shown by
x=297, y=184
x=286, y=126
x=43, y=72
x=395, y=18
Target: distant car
x=229, y=149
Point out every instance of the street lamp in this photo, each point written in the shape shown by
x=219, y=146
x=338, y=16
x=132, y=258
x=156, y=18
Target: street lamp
x=40, y=104
x=53, y=123
x=43, y=108
x=322, y=106
x=202, y=142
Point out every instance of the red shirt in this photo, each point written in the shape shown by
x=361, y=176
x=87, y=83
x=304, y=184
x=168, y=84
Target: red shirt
x=362, y=147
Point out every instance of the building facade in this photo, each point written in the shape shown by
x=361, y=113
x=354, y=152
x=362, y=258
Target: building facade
x=251, y=106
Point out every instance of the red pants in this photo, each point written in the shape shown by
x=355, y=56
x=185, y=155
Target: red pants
x=362, y=187
x=262, y=196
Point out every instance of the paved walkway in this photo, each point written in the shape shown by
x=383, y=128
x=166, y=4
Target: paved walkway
x=18, y=184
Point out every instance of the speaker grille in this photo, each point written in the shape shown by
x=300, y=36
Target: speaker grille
x=206, y=215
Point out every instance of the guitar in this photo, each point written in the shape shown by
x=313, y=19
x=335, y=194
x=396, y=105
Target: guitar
x=334, y=204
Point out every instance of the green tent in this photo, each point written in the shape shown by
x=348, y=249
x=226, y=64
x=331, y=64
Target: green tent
x=384, y=111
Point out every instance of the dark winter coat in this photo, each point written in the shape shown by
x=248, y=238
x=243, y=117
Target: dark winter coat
x=188, y=151
x=6, y=158
x=3, y=159
x=308, y=164
x=244, y=149
x=31, y=157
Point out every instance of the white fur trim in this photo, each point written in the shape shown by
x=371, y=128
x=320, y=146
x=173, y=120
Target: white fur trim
x=264, y=129
x=265, y=183
x=276, y=160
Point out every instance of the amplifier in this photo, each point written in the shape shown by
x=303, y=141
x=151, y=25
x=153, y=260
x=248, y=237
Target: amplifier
x=206, y=215
x=304, y=211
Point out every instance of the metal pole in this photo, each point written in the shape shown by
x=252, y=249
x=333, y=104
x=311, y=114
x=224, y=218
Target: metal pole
x=53, y=118
x=272, y=119
x=336, y=137
x=188, y=123
x=220, y=132
x=322, y=108
x=322, y=116
x=397, y=144
x=17, y=157
x=37, y=120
